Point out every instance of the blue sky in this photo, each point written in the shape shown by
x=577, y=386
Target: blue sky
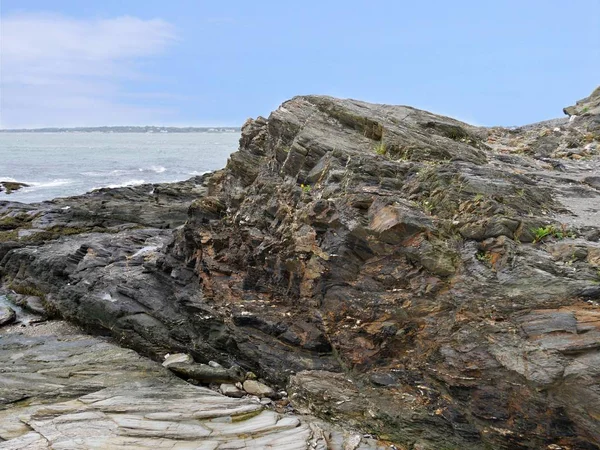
x=184, y=62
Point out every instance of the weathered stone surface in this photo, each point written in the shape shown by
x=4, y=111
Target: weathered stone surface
x=231, y=390
x=259, y=389
x=207, y=374
x=588, y=106
x=345, y=241
x=7, y=315
x=177, y=358
x=69, y=391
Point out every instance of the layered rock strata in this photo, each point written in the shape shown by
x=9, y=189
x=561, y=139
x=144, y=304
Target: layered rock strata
x=423, y=280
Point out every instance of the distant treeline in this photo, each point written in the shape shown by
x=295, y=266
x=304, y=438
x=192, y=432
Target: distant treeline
x=123, y=129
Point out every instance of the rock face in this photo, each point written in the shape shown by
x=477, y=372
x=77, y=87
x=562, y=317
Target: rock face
x=430, y=282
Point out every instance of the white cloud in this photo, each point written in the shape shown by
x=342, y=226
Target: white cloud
x=60, y=71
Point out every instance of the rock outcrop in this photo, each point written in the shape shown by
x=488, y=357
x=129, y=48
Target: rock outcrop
x=9, y=187
x=420, y=279
x=61, y=389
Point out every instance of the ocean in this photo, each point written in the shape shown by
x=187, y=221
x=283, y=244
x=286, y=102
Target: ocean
x=66, y=164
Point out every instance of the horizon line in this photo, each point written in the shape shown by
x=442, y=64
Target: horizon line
x=115, y=127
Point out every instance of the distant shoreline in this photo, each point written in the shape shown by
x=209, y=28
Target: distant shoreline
x=126, y=129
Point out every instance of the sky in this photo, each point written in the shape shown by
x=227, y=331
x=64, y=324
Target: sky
x=204, y=63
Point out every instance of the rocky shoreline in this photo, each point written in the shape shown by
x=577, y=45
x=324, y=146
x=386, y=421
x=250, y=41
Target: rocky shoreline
x=424, y=281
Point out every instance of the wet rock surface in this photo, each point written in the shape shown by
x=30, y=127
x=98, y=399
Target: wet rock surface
x=429, y=282
x=9, y=187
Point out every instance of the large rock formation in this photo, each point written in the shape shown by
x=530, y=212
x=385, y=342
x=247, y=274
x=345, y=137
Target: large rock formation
x=430, y=282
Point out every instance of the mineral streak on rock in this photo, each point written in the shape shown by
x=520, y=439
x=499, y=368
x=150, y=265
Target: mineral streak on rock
x=418, y=278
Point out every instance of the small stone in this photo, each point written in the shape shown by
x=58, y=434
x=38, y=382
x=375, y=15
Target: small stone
x=250, y=376
x=215, y=364
x=7, y=315
x=384, y=379
x=265, y=401
x=257, y=388
x=177, y=358
x=231, y=390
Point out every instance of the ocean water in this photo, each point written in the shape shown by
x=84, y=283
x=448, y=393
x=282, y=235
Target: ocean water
x=65, y=164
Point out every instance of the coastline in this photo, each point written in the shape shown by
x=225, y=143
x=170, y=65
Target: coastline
x=424, y=281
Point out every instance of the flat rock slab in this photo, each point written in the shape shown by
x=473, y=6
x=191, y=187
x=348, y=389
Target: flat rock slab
x=72, y=391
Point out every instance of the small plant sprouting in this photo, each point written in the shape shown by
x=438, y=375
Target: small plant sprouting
x=541, y=233
x=426, y=204
x=380, y=148
x=306, y=188
x=484, y=257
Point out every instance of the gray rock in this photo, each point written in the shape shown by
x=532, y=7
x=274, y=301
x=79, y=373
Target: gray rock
x=383, y=379
x=31, y=303
x=587, y=106
x=231, y=390
x=7, y=315
x=177, y=358
x=207, y=374
x=259, y=389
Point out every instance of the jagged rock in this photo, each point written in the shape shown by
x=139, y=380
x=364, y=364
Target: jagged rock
x=345, y=241
x=588, y=106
